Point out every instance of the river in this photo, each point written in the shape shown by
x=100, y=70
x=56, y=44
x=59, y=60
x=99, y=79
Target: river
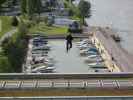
x=117, y=14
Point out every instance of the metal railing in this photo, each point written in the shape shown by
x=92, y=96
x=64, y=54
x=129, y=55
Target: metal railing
x=65, y=76
x=70, y=98
x=65, y=84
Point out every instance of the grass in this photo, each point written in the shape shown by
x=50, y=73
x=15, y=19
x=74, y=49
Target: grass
x=49, y=30
x=75, y=18
x=5, y=24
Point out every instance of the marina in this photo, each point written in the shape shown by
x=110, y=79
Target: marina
x=97, y=53
x=51, y=57
x=66, y=49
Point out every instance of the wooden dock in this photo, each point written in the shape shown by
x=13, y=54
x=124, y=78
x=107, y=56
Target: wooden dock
x=121, y=57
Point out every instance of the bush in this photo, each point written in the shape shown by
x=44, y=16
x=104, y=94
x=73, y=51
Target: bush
x=15, y=50
x=75, y=31
x=2, y=1
x=5, y=66
x=71, y=12
x=23, y=30
x=46, y=20
x=15, y=21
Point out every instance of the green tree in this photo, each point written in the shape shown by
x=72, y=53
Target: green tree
x=38, y=6
x=2, y=1
x=14, y=21
x=23, y=30
x=5, y=66
x=14, y=48
x=30, y=8
x=23, y=6
x=84, y=10
x=14, y=2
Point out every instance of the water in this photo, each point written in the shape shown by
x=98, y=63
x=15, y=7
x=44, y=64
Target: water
x=117, y=14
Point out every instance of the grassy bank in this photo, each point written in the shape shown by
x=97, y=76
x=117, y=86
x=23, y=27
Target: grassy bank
x=13, y=51
x=6, y=24
x=48, y=30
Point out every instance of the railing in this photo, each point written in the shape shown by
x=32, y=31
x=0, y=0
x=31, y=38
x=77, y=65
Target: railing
x=64, y=76
x=69, y=98
x=66, y=84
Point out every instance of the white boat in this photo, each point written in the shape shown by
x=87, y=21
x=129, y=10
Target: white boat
x=49, y=69
x=92, y=60
x=45, y=47
x=39, y=54
x=84, y=41
x=93, y=56
x=88, y=53
x=102, y=70
x=96, y=65
x=45, y=59
x=39, y=68
x=85, y=47
x=45, y=70
x=39, y=58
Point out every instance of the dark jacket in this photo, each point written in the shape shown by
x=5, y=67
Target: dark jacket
x=69, y=38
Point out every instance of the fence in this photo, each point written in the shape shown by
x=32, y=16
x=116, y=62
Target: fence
x=69, y=98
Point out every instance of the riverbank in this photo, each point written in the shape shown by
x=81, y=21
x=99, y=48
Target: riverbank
x=5, y=25
x=116, y=58
x=116, y=14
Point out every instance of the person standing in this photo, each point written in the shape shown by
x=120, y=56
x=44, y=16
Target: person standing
x=69, y=39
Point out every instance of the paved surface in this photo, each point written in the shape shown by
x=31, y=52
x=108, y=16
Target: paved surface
x=70, y=62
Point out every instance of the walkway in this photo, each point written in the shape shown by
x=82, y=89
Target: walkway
x=70, y=62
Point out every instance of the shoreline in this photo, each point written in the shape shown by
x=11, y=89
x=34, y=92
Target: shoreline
x=118, y=59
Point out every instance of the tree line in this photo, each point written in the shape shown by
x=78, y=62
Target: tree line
x=30, y=7
x=13, y=49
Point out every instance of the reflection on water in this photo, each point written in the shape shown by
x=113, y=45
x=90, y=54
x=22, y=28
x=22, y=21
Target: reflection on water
x=117, y=14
